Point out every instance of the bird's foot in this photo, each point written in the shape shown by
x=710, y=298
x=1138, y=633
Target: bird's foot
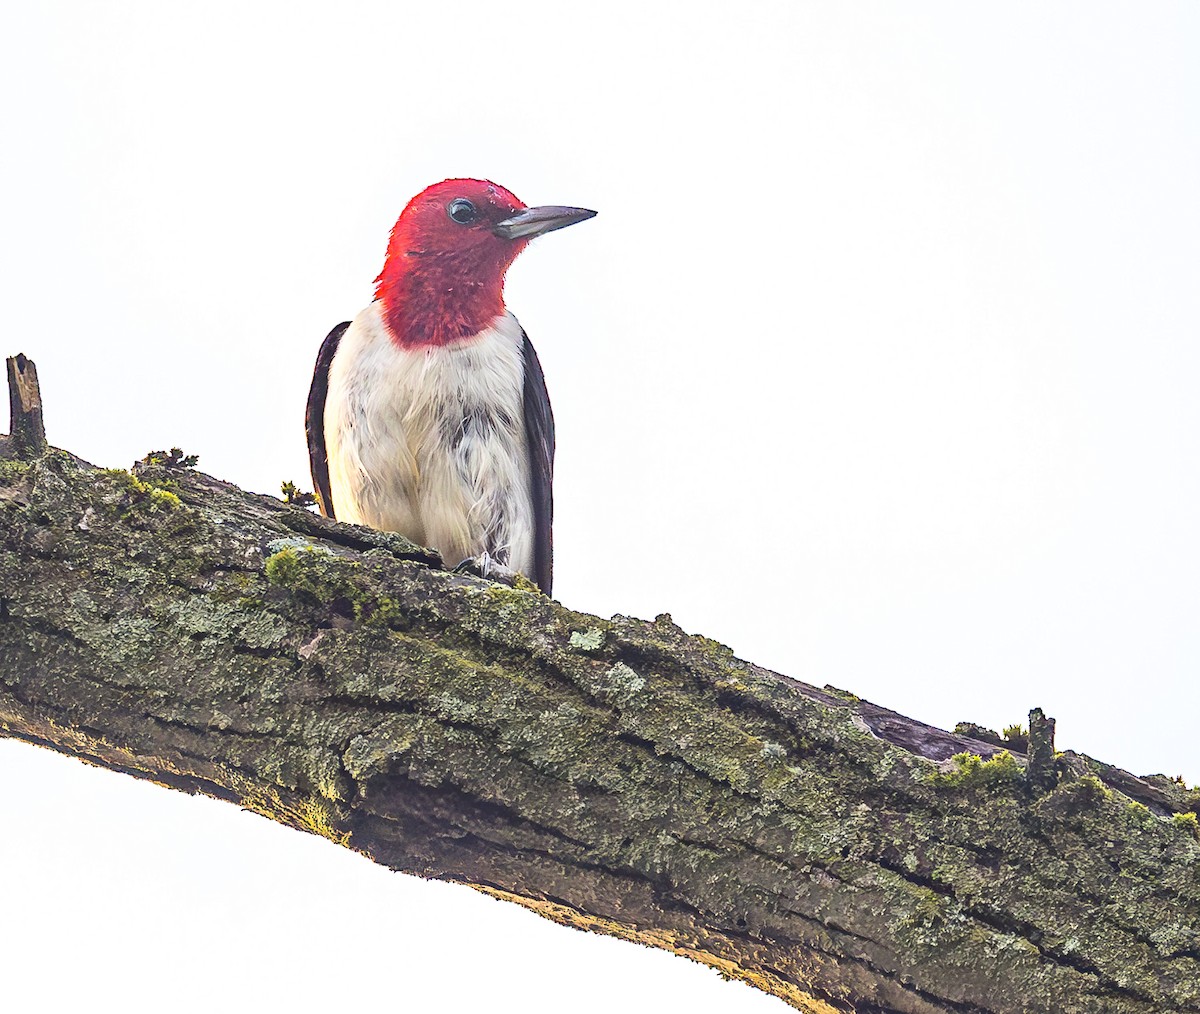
x=485, y=566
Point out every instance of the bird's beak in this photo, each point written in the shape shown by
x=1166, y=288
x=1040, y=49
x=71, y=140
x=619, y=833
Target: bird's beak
x=535, y=221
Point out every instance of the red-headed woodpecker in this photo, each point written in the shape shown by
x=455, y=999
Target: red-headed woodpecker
x=428, y=413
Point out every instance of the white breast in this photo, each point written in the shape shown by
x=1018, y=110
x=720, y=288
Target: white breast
x=430, y=442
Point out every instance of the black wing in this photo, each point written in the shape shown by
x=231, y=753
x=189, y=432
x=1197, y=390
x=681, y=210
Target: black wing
x=314, y=420
x=539, y=438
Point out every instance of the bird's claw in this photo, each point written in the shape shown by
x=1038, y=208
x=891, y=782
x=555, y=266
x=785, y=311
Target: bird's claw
x=486, y=567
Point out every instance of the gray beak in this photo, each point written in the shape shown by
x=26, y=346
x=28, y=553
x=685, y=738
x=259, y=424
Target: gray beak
x=535, y=221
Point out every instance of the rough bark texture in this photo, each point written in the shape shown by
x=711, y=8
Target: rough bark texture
x=615, y=775
x=27, y=432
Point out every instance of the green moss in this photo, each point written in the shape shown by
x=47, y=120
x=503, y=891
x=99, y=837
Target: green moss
x=1086, y=789
x=12, y=472
x=121, y=477
x=310, y=570
x=58, y=461
x=383, y=611
x=1017, y=737
x=1095, y=786
x=313, y=814
x=292, y=494
x=712, y=648
x=522, y=583
x=153, y=496
x=972, y=771
x=502, y=595
x=1188, y=821
x=164, y=497
x=283, y=568
x=322, y=576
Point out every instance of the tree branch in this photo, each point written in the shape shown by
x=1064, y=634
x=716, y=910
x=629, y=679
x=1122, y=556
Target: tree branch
x=614, y=775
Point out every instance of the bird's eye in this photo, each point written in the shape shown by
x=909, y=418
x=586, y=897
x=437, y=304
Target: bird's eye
x=462, y=211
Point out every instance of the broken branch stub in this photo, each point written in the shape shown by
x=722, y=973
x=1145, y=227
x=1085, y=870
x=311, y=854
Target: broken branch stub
x=27, y=430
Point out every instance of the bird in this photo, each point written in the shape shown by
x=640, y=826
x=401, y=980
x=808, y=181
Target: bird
x=428, y=413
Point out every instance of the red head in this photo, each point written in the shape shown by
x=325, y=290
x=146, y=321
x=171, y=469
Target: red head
x=443, y=279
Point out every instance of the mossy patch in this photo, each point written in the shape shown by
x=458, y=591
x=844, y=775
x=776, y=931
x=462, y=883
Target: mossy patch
x=1016, y=737
x=311, y=571
x=1077, y=796
x=294, y=495
x=971, y=771
x=314, y=814
x=143, y=493
x=1188, y=821
x=321, y=817
x=163, y=497
x=522, y=583
x=1089, y=787
x=323, y=577
x=12, y=472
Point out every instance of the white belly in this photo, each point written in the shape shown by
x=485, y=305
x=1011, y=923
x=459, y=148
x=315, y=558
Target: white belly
x=430, y=442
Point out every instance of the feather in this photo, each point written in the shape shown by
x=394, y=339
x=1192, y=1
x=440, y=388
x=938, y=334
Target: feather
x=539, y=438
x=314, y=420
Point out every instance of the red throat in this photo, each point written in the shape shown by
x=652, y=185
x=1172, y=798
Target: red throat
x=443, y=282
x=438, y=299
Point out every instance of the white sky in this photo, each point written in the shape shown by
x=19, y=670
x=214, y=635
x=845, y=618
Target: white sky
x=879, y=365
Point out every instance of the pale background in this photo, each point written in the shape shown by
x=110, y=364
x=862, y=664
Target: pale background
x=880, y=364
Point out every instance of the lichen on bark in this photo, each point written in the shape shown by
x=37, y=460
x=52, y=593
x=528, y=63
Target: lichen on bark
x=612, y=774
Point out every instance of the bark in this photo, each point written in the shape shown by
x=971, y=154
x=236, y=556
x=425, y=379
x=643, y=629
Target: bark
x=27, y=432
x=615, y=775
